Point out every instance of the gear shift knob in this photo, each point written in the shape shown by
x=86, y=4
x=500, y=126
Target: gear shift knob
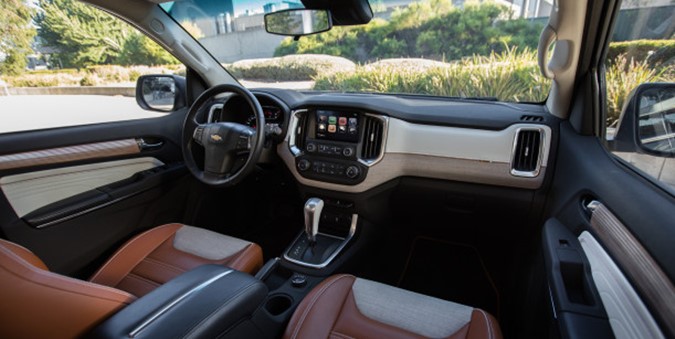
x=313, y=208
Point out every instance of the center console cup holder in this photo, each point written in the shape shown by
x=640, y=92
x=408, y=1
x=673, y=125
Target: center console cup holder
x=278, y=304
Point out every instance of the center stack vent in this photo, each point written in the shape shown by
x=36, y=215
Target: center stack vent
x=301, y=131
x=373, y=133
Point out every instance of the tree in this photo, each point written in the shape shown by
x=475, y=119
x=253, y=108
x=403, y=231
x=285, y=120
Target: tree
x=82, y=34
x=138, y=49
x=16, y=35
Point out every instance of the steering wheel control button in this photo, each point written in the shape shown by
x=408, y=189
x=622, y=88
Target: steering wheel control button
x=311, y=147
x=198, y=134
x=348, y=151
x=244, y=142
x=352, y=172
x=303, y=165
x=298, y=281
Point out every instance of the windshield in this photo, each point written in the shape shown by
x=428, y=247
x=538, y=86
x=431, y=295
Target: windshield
x=430, y=47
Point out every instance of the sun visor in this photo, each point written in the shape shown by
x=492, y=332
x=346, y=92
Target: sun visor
x=344, y=12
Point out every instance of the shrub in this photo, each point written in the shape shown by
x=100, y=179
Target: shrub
x=510, y=76
x=109, y=73
x=43, y=80
x=656, y=52
x=91, y=76
x=290, y=68
x=623, y=76
x=89, y=80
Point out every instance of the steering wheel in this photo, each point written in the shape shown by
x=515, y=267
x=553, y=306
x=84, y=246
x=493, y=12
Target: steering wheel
x=223, y=142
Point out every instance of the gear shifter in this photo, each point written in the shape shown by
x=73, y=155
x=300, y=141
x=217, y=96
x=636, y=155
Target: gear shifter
x=313, y=208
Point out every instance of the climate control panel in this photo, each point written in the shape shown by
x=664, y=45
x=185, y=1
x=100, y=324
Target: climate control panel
x=331, y=170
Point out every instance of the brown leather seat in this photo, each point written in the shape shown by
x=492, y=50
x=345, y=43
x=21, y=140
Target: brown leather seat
x=344, y=306
x=37, y=303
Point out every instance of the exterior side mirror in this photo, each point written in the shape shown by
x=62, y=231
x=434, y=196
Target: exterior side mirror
x=161, y=93
x=298, y=22
x=647, y=123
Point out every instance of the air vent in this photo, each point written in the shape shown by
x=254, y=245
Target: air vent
x=301, y=131
x=531, y=118
x=526, y=152
x=373, y=131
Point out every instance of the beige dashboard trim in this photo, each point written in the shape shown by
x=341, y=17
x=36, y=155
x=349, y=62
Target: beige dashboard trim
x=69, y=153
x=438, y=152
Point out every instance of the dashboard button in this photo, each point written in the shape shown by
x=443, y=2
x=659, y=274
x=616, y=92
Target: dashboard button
x=352, y=172
x=311, y=147
x=348, y=151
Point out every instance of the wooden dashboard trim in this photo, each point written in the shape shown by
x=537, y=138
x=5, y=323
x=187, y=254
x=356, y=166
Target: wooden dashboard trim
x=69, y=153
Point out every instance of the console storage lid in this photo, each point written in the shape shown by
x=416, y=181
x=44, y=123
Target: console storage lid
x=208, y=301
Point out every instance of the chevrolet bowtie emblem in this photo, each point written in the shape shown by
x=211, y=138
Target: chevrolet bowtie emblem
x=216, y=138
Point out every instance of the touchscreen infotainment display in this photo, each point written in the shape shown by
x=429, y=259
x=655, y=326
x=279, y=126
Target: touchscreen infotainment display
x=335, y=125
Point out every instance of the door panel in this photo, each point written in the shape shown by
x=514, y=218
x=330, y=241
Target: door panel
x=585, y=172
x=30, y=191
x=630, y=318
x=76, y=204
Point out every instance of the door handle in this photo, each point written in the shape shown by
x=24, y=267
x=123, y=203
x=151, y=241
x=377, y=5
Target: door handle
x=145, y=145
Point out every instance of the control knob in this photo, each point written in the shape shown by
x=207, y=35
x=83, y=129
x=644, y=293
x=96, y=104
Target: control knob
x=303, y=164
x=348, y=151
x=311, y=147
x=352, y=172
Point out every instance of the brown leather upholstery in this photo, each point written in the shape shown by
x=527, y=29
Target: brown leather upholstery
x=150, y=260
x=330, y=311
x=36, y=303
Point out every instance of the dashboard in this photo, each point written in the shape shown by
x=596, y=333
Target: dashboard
x=355, y=142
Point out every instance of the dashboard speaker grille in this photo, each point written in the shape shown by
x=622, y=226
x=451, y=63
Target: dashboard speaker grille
x=526, y=153
x=372, y=138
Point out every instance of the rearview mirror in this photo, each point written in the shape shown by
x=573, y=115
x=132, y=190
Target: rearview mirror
x=647, y=123
x=298, y=22
x=161, y=93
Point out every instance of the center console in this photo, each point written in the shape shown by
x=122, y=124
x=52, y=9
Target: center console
x=215, y=301
x=336, y=145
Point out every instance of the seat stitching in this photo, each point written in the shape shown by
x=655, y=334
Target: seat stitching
x=311, y=305
x=146, y=280
x=166, y=265
x=489, y=323
x=124, y=247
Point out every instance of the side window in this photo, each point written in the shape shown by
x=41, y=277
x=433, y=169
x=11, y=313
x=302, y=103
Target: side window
x=64, y=63
x=640, y=78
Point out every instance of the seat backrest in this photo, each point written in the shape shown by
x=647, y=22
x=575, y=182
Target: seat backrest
x=36, y=303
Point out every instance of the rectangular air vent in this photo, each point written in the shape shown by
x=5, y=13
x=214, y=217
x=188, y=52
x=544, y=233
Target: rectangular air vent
x=373, y=133
x=301, y=130
x=525, y=160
